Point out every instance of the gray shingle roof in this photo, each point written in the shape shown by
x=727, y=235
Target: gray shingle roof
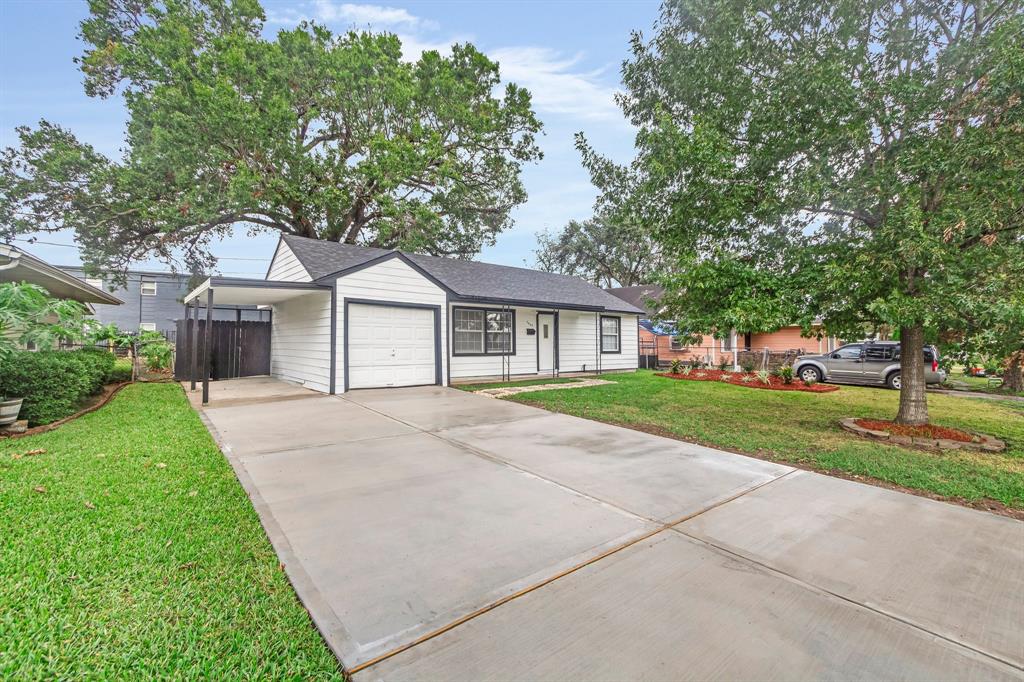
x=639, y=296
x=322, y=258
x=466, y=279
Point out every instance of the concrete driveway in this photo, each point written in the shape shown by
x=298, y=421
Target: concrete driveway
x=438, y=534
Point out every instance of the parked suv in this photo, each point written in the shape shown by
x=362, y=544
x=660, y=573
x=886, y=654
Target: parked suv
x=869, y=362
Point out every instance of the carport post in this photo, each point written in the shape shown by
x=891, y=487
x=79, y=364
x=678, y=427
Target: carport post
x=194, y=350
x=207, y=339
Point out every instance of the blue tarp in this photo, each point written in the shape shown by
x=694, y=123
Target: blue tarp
x=659, y=328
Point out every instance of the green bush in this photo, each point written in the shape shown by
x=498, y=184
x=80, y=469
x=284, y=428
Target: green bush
x=53, y=384
x=97, y=364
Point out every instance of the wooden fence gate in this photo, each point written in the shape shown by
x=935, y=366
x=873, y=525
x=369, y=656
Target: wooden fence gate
x=239, y=349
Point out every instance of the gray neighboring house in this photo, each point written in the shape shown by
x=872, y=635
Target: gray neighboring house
x=153, y=301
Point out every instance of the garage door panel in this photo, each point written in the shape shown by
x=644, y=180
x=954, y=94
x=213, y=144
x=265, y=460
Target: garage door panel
x=390, y=346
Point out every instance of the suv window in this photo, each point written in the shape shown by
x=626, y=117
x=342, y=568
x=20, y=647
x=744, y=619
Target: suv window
x=848, y=352
x=879, y=353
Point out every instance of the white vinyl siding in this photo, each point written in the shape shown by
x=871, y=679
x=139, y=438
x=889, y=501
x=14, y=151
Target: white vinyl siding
x=578, y=343
x=392, y=281
x=286, y=267
x=300, y=341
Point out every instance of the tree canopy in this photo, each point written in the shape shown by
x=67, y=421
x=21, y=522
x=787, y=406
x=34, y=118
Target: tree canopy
x=861, y=162
x=602, y=251
x=326, y=136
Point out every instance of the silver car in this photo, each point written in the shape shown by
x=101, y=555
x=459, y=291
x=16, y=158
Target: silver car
x=869, y=362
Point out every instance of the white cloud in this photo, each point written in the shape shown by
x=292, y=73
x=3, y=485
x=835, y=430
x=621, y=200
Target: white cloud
x=555, y=86
x=329, y=11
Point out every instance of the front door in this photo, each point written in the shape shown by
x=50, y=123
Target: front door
x=545, y=342
x=847, y=363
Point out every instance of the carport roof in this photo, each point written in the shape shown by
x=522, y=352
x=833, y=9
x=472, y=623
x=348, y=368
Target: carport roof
x=242, y=291
x=466, y=280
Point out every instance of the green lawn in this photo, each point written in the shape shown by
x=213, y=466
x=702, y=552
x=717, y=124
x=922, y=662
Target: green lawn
x=128, y=550
x=524, y=382
x=802, y=428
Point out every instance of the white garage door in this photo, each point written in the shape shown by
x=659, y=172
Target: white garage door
x=390, y=346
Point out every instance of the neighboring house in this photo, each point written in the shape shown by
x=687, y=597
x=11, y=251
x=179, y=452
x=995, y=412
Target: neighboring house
x=348, y=317
x=17, y=265
x=152, y=301
x=660, y=339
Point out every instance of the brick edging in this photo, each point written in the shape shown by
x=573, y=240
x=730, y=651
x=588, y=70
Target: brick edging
x=983, y=444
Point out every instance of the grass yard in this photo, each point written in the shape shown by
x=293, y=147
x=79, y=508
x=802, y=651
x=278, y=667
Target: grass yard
x=129, y=550
x=960, y=381
x=802, y=429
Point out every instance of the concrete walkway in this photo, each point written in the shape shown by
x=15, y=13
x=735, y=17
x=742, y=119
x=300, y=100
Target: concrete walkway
x=437, y=534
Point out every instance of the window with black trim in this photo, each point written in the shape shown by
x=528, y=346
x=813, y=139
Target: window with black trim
x=483, y=331
x=611, y=335
x=676, y=343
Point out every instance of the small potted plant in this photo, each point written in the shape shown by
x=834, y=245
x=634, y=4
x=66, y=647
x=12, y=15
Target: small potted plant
x=9, y=409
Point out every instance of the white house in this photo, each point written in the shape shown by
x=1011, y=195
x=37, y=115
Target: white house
x=347, y=317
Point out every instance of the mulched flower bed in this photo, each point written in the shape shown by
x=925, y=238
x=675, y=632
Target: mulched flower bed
x=735, y=378
x=922, y=431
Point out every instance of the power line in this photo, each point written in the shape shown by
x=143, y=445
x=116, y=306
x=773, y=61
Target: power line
x=72, y=246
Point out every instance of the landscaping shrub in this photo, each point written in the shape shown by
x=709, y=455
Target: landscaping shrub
x=53, y=384
x=97, y=364
x=786, y=374
x=676, y=365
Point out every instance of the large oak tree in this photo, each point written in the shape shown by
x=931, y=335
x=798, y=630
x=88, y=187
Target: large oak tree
x=861, y=161
x=602, y=251
x=326, y=136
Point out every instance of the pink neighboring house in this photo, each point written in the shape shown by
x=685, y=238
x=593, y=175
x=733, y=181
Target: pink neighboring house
x=655, y=341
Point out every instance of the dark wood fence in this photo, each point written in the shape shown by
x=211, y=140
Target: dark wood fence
x=239, y=349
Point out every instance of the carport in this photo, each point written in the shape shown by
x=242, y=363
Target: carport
x=240, y=291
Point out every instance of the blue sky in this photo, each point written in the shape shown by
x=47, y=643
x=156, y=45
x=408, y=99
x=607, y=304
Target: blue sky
x=568, y=54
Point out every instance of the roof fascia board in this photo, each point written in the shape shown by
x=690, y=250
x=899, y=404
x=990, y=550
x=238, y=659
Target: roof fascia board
x=29, y=261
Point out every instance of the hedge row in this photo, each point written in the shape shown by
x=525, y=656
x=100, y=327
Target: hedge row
x=54, y=384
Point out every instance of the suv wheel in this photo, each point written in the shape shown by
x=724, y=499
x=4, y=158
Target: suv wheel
x=893, y=381
x=810, y=373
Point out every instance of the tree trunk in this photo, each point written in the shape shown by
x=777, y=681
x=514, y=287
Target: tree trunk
x=913, y=402
x=1013, y=375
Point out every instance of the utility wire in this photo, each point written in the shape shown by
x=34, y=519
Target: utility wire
x=72, y=246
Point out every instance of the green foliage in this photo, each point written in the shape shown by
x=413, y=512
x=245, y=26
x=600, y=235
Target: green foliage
x=154, y=348
x=143, y=558
x=675, y=366
x=764, y=376
x=29, y=315
x=54, y=384
x=747, y=365
x=786, y=374
x=722, y=364
x=808, y=382
x=860, y=163
x=334, y=137
x=601, y=250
